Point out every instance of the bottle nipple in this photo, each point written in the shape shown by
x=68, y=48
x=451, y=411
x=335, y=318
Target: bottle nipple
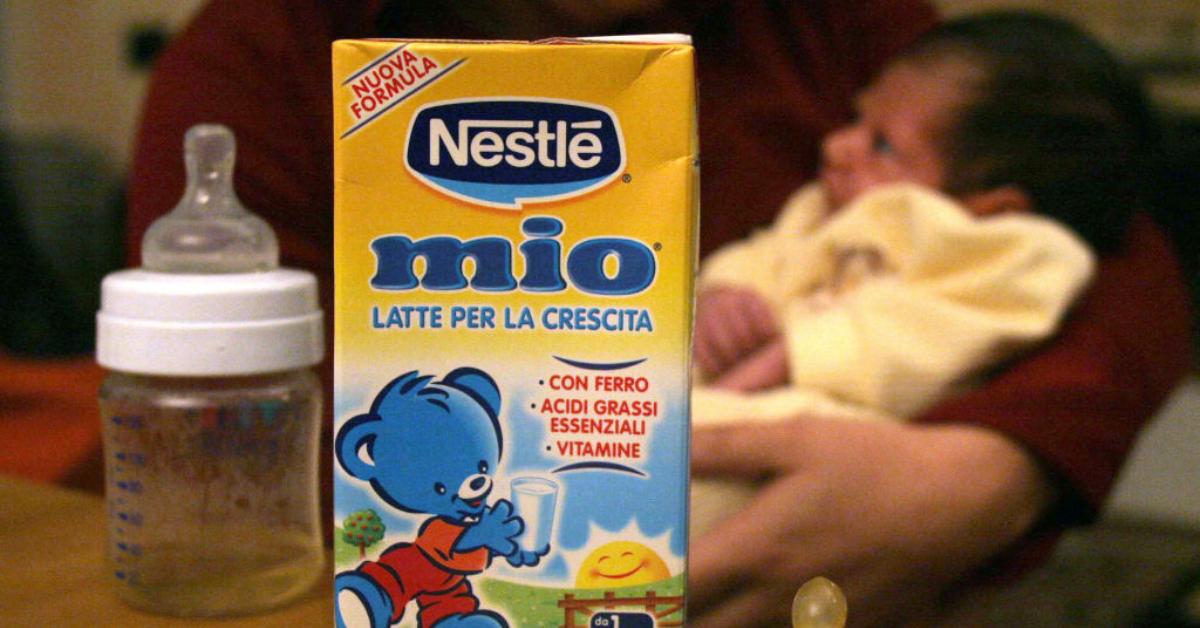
x=209, y=231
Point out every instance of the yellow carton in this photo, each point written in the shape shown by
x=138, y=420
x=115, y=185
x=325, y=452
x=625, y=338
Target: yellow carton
x=515, y=241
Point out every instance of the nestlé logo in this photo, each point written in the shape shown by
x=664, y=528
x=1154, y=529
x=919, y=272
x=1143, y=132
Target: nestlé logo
x=508, y=152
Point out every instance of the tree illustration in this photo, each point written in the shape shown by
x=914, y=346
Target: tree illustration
x=362, y=529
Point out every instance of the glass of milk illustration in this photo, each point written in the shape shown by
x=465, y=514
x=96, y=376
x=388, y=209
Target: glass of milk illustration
x=534, y=500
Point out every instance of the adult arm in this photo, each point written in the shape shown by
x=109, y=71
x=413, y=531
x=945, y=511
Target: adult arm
x=901, y=514
x=893, y=513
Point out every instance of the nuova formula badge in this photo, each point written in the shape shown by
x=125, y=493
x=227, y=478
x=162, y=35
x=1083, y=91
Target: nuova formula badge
x=515, y=243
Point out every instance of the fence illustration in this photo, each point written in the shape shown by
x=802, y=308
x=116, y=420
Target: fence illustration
x=671, y=605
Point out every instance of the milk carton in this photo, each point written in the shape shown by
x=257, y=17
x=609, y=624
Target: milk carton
x=515, y=242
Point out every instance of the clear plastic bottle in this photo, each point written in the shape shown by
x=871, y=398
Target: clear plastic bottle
x=211, y=410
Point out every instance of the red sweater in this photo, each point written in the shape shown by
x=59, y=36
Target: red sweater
x=774, y=78
x=773, y=82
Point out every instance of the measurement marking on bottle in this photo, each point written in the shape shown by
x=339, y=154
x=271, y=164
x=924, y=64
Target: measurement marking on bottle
x=132, y=421
x=132, y=457
x=132, y=486
x=128, y=576
x=133, y=549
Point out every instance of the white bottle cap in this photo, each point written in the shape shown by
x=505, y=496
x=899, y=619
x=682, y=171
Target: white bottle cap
x=175, y=324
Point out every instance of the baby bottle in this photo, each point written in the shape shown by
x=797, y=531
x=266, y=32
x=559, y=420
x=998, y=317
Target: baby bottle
x=211, y=410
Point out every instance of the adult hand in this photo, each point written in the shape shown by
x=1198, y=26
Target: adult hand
x=730, y=323
x=893, y=513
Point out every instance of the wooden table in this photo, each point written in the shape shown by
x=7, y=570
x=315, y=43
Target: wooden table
x=53, y=574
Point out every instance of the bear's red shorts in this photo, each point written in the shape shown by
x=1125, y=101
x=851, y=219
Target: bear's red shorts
x=406, y=574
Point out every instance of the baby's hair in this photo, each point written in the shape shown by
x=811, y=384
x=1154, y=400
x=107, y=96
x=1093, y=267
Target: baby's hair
x=1049, y=111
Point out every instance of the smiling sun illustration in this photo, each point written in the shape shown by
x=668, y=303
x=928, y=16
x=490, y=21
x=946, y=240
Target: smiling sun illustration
x=621, y=564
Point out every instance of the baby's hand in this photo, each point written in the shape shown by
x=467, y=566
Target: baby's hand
x=730, y=324
x=765, y=368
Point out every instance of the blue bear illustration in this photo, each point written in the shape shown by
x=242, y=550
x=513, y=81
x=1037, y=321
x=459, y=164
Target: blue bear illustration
x=431, y=448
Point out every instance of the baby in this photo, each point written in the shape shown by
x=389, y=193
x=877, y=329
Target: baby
x=954, y=224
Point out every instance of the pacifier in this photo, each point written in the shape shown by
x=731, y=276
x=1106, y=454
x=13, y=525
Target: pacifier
x=819, y=603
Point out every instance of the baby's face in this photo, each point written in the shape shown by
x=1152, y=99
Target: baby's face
x=901, y=117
